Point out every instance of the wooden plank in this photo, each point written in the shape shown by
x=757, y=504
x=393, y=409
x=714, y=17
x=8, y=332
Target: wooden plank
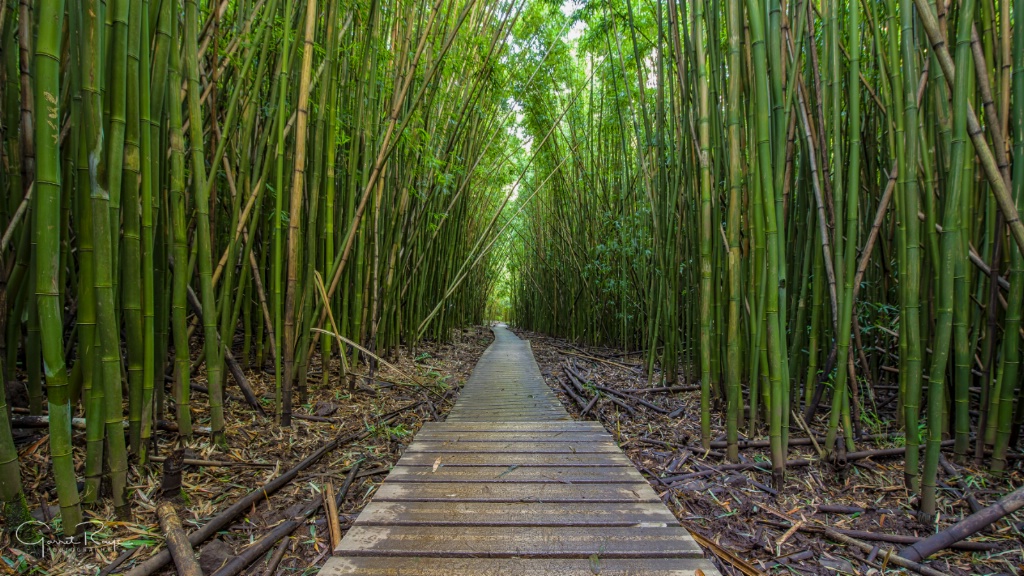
x=533, y=474
x=511, y=412
x=511, y=388
x=378, y=513
x=514, y=435
x=420, y=566
x=494, y=492
x=435, y=436
x=510, y=408
x=488, y=391
x=490, y=418
x=512, y=459
x=492, y=400
x=514, y=417
x=519, y=541
x=509, y=404
x=513, y=447
x=486, y=394
x=523, y=393
x=506, y=415
x=502, y=403
x=571, y=425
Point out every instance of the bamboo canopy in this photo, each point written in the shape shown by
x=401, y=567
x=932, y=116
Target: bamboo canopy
x=810, y=209
x=178, y=174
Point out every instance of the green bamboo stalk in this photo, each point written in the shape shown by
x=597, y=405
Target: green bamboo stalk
x=47, y=256
x=149, y=290
x=295, y=219
x=179, y=291
x=840, y=396
x=13, y=505
x=1009, y=372
x=775, y=332
x=130, y=217
x=707, y=336
x=46, y=200
x=911, y=272
x=951, y=245
x=88, y=352
x=733, y=360
x=109, y=367
x=278, y=264
x=204, y=235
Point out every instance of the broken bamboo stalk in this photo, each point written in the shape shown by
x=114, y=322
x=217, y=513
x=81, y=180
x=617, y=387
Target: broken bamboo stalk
x=229, y=359
x=284, y=529
x=662, y=389
x=242, y=560
x=572, y=394
x=589, y=406
x=884, y=537
x=26, y=422
x=623, y=394
x=886, y=453
x=159, y=560
x=275, y=560
x=333, y=526
x=217, y=463
x=888, y=555
x=967, y=496
x=974, y=523
x=177, y=543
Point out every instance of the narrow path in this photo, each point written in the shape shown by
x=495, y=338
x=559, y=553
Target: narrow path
x=510, y=484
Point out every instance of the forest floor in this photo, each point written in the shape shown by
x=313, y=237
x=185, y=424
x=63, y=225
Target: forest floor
x=774, y=532
x=388, y=412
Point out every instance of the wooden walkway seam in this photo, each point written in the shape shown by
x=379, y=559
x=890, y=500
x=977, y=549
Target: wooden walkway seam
x=510, y=484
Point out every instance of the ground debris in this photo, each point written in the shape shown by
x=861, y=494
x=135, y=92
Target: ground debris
x=261, y=451
x=731, y=505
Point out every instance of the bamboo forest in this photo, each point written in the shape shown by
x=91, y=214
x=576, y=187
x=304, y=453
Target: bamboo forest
x=249, y=247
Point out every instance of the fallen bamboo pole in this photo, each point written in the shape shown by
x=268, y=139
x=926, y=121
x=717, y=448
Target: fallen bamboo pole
x=229, y=359
x=333, y=525
x=160, y=559
x=253, y=553
x=886, y=453
x=887, y=555
x=177, y=543
x=275, y=560
x=882, y=536
x=974, y=523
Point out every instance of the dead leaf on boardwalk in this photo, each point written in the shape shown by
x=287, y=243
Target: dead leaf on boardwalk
x=437, y=463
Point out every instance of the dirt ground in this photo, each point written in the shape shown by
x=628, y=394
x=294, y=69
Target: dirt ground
x=736, y=510
x=740, y=512
x=388, y=409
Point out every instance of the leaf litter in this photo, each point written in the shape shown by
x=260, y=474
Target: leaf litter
x=257, y=452
x=753, y=528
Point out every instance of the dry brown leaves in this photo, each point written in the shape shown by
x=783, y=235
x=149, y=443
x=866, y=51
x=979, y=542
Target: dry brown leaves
x=260, y=451
x=738, y=512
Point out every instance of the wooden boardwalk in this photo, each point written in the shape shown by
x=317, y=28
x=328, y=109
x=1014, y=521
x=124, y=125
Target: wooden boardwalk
x=510, y=484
